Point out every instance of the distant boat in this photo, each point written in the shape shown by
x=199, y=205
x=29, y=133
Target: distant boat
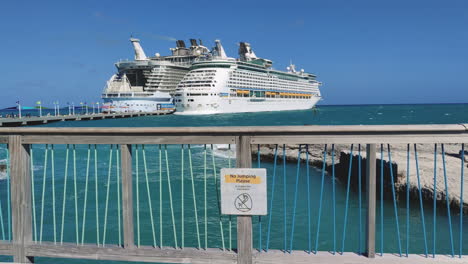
x=14, y=108
x=9, y=108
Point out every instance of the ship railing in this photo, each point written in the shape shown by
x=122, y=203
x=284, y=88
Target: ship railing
x=214, y=59
x=179, y=63
x=127, y=94
x=344, y=194
x=159, y=62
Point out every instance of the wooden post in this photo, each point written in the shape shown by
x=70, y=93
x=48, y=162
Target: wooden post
x=244, y=222
x=127, y=195
x=371, y=186
x=20, y=198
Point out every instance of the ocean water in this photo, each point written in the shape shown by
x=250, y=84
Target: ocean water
x=157, y=164
x=321, y=115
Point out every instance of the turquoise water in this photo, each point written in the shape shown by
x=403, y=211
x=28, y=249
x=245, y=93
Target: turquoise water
x=324, y=115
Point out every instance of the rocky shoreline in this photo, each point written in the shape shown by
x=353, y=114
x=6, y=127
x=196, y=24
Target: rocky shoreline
x=399, y=166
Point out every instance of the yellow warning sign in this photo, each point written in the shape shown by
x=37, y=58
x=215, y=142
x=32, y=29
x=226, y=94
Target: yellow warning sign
x=242, y=178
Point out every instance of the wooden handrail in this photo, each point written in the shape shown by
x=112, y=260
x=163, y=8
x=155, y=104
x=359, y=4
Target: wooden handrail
x=238, y=130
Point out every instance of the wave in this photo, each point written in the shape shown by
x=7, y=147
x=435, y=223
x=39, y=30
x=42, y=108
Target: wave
x=223, y=151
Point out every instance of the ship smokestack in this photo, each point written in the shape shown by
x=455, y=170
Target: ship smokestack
x=139, y=53
x=193, y=42
x=220, y=50
x=180, y=44
x=200, y=41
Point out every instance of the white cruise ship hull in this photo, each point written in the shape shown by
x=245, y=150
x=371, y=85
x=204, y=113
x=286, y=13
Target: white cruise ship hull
x=209, y=105
x=218, y=85
x=129, y=105
x=138, y=103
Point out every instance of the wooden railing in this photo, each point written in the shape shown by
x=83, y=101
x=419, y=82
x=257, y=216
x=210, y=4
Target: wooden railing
x=24, y=249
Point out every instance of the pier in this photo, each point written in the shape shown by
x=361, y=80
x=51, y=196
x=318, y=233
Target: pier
x=40, y=120
x=190, y=229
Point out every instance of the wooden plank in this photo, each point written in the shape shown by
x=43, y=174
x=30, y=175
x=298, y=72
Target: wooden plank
x=371, y=199
x=362, y=138
x=246, y=130
x=191, y=255
x=127, y=195
x=6, y=248
x=301, y=257
x=143, y=254
x=260, y=135
x=244, y=222
x=128, y=139
x=20, y=198
x=243, y=152
x=244, y=239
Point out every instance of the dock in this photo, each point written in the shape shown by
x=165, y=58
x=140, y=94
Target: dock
x=40, y=120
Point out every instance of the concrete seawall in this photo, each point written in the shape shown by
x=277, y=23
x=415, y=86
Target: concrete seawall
x=399, y=166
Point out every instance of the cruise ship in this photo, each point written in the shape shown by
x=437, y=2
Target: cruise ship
x=219, y=84
x=147, y=84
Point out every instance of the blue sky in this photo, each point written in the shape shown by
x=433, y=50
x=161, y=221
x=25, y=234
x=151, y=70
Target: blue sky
x=364, y=52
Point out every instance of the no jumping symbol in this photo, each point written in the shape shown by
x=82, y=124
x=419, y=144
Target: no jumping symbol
x=243, y=202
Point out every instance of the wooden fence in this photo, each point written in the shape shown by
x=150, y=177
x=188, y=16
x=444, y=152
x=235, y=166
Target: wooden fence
x=24, y=249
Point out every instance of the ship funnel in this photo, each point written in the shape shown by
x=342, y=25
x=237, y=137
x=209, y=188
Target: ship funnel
x=200, y=41
x=180, y=44
x=197, y=49
x=139, y=53
x=220, y=50
x=193, y=42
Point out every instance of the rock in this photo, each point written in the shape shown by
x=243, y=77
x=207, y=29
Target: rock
x=399, y=166
x=2, y=171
